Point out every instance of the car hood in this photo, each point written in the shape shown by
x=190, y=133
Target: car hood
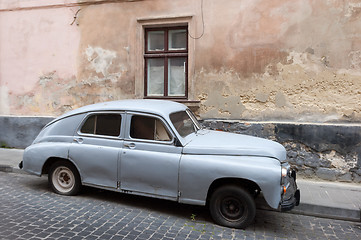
x=222, y=143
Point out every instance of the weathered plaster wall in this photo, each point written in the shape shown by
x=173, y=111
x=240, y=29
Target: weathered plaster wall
x=38, y=52
x=106, y=53
x=275, y=60
x=49, y=66
x=293, y=60
x=111, y=32
x=284, y=60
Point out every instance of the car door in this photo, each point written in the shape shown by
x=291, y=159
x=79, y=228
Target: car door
x=150, y=160
x=96, y=149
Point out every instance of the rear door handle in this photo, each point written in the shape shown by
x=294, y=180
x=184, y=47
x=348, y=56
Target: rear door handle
x=129, y=145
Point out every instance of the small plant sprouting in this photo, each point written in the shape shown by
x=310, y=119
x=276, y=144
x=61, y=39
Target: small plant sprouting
x=3, y=145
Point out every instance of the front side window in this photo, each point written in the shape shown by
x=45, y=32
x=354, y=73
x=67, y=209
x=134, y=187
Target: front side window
x=166, y=62
x=185, y=123
x=102, y=124
x=148, y=128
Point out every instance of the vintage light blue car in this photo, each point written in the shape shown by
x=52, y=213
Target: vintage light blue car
x=157, y=148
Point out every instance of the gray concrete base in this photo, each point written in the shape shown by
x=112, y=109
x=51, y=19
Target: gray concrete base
x=328, y=212
x=328, y=151
x=20, y=132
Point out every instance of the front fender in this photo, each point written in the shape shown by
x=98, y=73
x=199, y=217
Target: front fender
x=36, y=155
x=198, y=172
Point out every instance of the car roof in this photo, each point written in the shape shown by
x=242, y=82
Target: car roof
x=159, y=107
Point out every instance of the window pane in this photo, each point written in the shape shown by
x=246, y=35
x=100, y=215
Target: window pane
x=89, y=125
x=142, y=127
x=108, y=124
x=161, y=133
x=183, y=123
x=102, y=124
x=176, y=76
x=155, y=78
x=155, y=41
x=177, y=39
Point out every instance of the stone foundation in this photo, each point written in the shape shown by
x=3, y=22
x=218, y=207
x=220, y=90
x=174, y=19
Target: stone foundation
x=325, y=151
x=20, y=132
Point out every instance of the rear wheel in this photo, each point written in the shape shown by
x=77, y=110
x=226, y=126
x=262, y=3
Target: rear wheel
x=232, y=206
x=64, y=178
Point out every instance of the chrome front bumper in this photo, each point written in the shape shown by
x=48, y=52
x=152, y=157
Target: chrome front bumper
x=291, y=197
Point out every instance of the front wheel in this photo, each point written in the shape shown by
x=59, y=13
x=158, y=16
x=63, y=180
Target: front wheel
x=232, y=206
x=64, y=178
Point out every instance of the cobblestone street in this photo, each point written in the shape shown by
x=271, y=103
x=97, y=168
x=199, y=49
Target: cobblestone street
x=29, y=210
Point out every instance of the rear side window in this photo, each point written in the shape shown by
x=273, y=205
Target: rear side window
x=102, y=124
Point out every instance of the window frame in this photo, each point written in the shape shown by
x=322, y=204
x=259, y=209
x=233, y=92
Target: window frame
x=89, y=115
x=165, y=54
x=191, y=116
x=165, y=124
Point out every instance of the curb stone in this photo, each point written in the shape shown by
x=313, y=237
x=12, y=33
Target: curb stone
x=328, y=212
x=9, y=169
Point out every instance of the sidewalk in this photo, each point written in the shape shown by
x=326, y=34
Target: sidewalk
x=330, y=199
x=10, y=159
x=323, y=199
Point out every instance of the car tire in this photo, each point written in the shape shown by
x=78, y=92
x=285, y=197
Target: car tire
x=232, y=206
x=64, y=178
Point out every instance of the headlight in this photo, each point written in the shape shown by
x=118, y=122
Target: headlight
x=284, y=172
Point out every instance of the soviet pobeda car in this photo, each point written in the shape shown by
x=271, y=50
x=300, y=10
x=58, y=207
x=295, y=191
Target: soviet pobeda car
x=157, y=148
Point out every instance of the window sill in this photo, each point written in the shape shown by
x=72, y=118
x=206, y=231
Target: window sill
x=188, y=103
x=192, y=104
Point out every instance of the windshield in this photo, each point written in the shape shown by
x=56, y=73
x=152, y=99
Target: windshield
x=184, y=122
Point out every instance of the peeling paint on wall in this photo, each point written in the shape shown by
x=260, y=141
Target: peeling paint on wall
x=33, y=43
x=355, y=59
x=100, y=59
x=353, y=10
x=285, y=60
x=303, y=89
x=65, y=94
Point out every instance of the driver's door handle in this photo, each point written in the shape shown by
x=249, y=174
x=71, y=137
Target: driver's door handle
x=129, y=145
x=78, y=140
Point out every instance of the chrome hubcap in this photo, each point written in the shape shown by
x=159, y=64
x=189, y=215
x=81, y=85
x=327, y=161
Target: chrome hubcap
x=63, y=179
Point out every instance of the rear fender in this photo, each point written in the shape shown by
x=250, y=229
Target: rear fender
x=36, y=155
